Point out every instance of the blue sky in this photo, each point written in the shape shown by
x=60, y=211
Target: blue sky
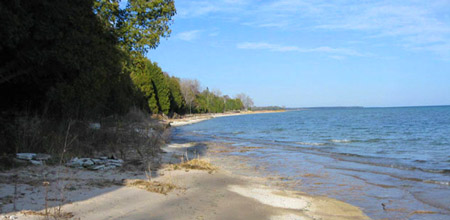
x=299, y=53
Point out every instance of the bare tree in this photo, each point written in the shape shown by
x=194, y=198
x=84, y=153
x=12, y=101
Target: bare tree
x=246, y=100
x=189, y=89
x=217, y=92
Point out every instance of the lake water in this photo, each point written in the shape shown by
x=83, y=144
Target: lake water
x=364, y=156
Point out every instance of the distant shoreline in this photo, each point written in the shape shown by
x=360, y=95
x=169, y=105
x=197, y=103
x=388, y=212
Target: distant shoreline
x=196, y=118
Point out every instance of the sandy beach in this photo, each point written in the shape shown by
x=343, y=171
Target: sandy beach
x=199, y=194
x=195, y=118
x=221, y=193
x=202, y=196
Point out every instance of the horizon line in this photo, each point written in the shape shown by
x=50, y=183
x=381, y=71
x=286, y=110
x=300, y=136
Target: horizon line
x=356, y=106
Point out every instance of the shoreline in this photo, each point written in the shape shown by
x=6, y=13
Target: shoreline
x=307, y=151
x=196, y=118
x=221, y=194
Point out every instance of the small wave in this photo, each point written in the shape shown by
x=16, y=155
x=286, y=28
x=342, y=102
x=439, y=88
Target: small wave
x=311, y=143
x=341, y=141
x=393, y=175
x=446, y=171
x=437, y=182
x=279, y=141
x=378, y=161
x=354, y=155
x=374, y=140
x=238, y=132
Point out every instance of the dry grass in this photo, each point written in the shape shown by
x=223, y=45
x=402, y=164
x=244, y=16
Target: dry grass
x=195, y=164
x=55, y=214
x=151, y=186
x=133, y=135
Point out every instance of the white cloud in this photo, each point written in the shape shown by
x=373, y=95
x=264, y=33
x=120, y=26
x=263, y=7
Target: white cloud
x=281, y=48
x=196, y=8
x=390, y=20
x=408, y=23
x=188, y=35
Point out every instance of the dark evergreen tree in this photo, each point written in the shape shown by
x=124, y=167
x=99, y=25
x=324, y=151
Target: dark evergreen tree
x=177, y=103
x=58, y=54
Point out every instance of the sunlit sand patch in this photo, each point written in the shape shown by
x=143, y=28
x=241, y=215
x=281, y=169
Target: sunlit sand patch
x=287, y=217
x=185, y=145
x=269, y=197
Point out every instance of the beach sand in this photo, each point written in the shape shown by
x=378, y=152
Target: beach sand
x=218, y=194
x=192, y=119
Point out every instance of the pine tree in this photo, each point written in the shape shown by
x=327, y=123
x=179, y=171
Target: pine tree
x=161, y=86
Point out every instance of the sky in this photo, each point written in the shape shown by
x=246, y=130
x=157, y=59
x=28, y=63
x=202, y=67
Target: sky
x=304, y=53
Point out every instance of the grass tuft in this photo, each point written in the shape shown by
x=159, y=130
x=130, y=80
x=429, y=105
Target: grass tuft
x=195, y=164
x=151, y=186
x=55, y=214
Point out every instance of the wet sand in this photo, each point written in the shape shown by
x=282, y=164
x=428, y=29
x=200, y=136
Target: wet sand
x=200, y=194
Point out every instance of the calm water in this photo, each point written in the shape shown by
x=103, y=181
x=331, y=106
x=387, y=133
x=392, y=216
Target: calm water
x=365, y=156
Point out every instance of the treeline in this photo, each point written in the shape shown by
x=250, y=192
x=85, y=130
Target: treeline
x=66, y=64
x=73, y=59
x=269, y=108
x=170, y=95
x=85, y=59
x=207, y=101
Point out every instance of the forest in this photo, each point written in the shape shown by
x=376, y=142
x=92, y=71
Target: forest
x=86, y=60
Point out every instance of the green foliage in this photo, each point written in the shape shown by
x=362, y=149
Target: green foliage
x=177, y=102
x=140, y=25
x=201, y=104
x=85, y=59
x=143, y=81
x=208, y=102
x=233, y=104
x=161, y=91
x=73, y=60
x=58, y=54
x=161, y=86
